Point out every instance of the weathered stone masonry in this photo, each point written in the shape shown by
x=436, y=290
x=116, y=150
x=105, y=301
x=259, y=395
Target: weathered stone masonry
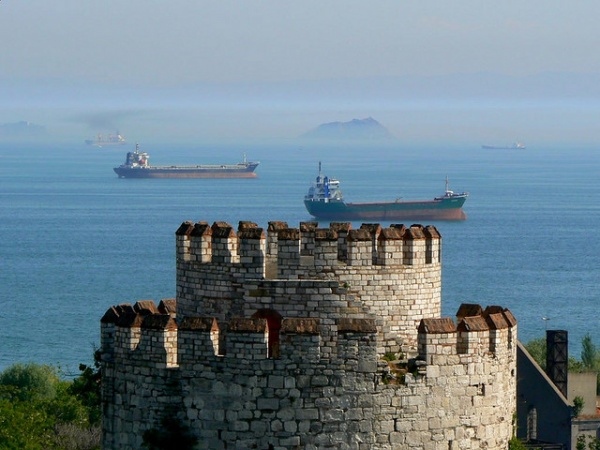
x=309, y=338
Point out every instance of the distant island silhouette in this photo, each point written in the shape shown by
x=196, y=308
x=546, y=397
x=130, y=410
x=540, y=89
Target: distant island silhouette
x=356, y=129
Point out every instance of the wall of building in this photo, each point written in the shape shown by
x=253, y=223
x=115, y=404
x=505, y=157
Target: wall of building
x=583, y=385
x=543, y=412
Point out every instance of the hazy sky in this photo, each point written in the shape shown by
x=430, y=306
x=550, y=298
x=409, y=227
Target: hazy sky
x=279, y=67
x=182, y=41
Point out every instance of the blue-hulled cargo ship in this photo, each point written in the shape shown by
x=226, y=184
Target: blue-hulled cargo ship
x=325, y=201
x=137, y=166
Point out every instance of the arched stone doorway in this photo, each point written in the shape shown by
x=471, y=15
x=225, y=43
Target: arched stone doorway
x=274, y=323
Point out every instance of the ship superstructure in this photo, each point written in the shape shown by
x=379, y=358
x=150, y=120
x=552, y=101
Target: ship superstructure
x=102, y=140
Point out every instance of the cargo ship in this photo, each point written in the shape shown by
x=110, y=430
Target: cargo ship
x=515, y=146
x=137, y=166
x=107, y=141
x=325, y=201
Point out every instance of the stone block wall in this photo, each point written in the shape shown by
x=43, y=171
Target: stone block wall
x=341, y=347
x=394, y=273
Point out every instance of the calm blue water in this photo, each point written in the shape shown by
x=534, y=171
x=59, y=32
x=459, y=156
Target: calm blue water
x=75, y=239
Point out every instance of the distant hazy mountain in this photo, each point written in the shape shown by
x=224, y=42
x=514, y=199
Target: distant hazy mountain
x=477, y=108
x=356, y=129
x=21, y=129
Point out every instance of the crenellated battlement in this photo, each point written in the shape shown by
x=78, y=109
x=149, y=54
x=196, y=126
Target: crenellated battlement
x=309, y=337
x=392, y=273
x=145, y=332
x=248, y=249
x=491, y=332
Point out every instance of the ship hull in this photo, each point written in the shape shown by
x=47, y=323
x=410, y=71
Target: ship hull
x=443, y=209
x=512, y=147
x=104, y=144
x=186, y=172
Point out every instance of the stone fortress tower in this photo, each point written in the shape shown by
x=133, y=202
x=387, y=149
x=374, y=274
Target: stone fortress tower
x=309, y=338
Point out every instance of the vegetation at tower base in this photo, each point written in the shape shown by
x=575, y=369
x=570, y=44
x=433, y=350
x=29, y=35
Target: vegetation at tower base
x=587, y=443
x=516, y=444
x=86, y=387
x=287, y=338
x=38, y=410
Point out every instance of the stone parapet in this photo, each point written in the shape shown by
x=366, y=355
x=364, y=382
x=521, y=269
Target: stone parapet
x=309, y=337
x=482, y=334
x=317, y=381
x=250, y=247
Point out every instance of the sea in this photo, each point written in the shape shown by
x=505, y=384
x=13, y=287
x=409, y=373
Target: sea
x=75, y=239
